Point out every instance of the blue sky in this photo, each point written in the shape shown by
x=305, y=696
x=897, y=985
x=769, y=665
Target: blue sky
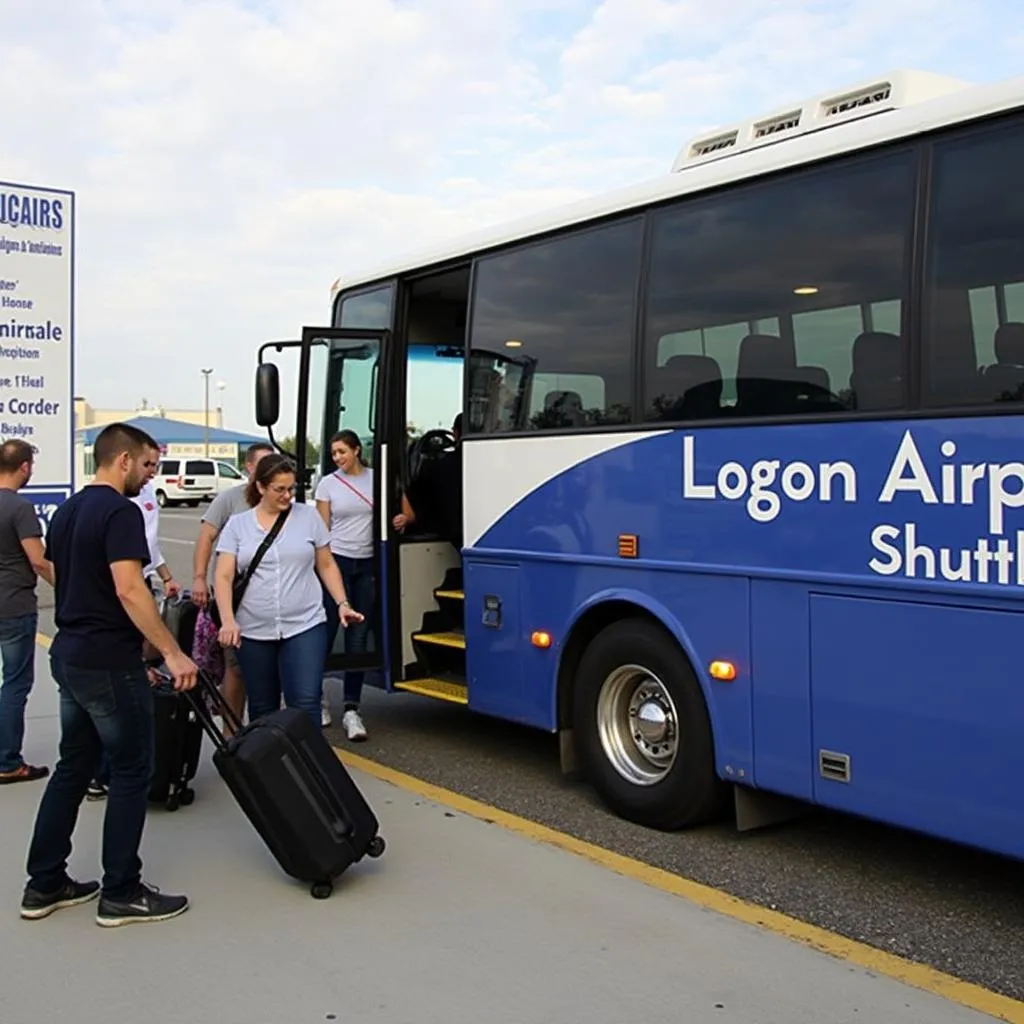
x=231, y=158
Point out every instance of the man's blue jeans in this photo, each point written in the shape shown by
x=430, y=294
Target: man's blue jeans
x=293, y=667
x=100, y=711
x=18, y=650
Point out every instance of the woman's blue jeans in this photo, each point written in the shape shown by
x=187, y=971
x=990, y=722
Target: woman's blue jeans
x=359, y=576
x=293, y=667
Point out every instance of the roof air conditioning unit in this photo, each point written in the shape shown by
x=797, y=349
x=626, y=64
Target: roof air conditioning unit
x=891, y=92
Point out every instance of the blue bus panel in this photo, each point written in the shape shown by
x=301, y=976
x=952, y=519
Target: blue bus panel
x=867, y=580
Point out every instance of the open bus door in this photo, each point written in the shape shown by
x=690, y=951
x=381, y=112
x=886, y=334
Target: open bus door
x=339, y=386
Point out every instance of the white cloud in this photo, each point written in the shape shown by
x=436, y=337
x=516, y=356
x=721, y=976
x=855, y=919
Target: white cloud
x=231, y=159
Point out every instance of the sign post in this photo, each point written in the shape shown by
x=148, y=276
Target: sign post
x=37, y=336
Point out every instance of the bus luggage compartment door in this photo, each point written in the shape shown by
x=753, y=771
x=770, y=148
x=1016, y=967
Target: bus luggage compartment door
x=493, y=641
x=918, y=714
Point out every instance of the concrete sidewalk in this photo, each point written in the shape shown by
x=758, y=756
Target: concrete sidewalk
x=459, y=922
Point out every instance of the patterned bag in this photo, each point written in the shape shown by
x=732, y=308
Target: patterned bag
x=207, y=652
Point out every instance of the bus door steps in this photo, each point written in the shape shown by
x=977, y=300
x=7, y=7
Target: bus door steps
x=452, y=579
x=440, y=689
x=441, y=652
x=447, y=639
x=451, y=602
x=450, y=616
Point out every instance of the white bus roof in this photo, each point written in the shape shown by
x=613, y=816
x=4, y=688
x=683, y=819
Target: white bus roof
x=895, y=106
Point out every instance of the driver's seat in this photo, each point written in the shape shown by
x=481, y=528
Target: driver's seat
x=427, y=448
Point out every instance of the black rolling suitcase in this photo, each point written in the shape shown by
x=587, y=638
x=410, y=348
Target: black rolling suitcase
x=299, y=797
x=177, y=745
x=177, y=730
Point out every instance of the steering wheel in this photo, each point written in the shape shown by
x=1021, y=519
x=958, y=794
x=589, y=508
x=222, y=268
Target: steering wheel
x=431, y=445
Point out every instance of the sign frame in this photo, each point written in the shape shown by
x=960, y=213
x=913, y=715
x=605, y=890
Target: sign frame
x=48, y=494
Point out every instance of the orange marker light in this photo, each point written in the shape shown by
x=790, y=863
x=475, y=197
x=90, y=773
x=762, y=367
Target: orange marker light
x=723, y=671
x=541, y=639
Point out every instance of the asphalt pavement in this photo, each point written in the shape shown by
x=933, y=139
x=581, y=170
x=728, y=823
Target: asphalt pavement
x=952, y=908
x=457, y=922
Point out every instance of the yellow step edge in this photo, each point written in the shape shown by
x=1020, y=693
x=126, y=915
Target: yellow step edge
x=442, y=639
x=456, y=693
x=451, y=595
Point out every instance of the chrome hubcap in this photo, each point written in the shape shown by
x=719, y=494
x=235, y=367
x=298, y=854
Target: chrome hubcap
x=638, y=725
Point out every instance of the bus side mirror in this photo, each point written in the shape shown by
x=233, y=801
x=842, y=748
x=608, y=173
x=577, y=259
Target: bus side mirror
x=268, y=398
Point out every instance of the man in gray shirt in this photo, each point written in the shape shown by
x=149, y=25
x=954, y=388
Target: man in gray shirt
x=22, y=559
x=222, y=508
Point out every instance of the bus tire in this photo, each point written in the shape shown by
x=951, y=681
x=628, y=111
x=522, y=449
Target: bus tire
x=643, y=729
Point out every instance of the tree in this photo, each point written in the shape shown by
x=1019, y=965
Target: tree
x=312, y=449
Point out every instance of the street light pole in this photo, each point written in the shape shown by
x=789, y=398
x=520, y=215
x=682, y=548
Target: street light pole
x=206, y=411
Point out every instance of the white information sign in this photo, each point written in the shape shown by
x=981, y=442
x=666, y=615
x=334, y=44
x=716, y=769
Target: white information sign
x=37, y=335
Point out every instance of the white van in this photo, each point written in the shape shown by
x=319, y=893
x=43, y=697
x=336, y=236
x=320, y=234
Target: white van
x=227, y=477
x=185, y=482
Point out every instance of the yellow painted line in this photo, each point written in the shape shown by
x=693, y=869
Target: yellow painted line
x=916, y=975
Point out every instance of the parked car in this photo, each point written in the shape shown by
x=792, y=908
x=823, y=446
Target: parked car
x=227, y=477
x=185, y=482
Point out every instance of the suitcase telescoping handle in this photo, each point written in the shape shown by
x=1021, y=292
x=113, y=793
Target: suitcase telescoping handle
x=206, y=688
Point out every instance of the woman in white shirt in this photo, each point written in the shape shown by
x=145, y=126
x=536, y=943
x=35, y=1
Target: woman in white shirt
x=344, y=500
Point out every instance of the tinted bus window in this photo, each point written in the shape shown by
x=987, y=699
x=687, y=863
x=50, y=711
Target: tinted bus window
x=368, y=310
x=561, y=312
x=783, y=297
x=974, y=329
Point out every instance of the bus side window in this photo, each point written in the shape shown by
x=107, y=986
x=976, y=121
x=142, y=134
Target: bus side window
x=557, y=400
x=562, y=308
x=974, y=326
x=779, y=283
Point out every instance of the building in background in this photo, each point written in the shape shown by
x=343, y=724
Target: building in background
x=176, y=437
x=87, y=416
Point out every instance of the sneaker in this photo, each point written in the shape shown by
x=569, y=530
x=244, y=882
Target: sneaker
x=325, y=713
x=36, y=905
x=148, y=904
x=23, y=773
x=353, y=726
x=96, y=791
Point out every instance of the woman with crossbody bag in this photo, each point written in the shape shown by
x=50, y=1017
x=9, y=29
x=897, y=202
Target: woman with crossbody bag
x=344, y=500
x=273, y=613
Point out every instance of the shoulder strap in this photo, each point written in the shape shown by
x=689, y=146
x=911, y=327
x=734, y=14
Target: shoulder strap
x=260, y=552
x=359, y=494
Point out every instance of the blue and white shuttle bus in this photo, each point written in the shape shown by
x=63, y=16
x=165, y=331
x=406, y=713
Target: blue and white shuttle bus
x=742, y=464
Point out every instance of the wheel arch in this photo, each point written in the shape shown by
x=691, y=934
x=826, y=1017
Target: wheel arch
x=602, y=610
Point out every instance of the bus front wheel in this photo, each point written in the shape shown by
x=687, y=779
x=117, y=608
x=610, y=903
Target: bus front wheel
x=643, y=729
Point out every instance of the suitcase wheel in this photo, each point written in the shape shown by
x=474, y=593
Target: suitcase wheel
x=377, y=846
x=180, y=798
x=321, y=890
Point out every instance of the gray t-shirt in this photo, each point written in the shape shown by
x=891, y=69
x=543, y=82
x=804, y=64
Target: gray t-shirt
x=226, y=505
x=18, y=522
x=284, y=596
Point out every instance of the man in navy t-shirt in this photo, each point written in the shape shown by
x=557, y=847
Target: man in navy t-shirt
x=97, y=544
